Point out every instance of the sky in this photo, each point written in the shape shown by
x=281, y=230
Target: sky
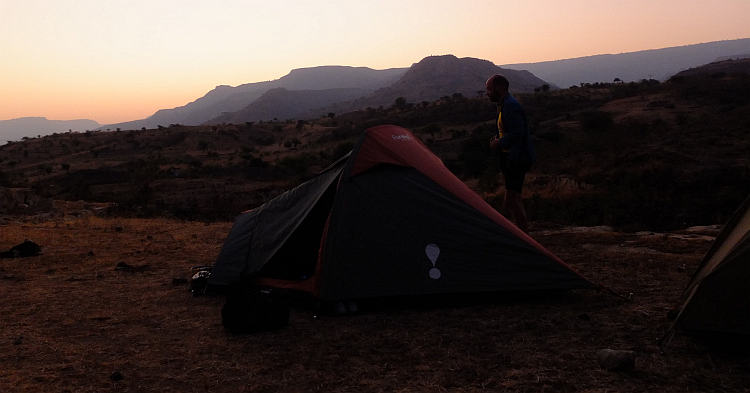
x=119, y=60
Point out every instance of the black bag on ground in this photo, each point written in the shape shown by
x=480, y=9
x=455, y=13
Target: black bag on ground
x=23, y=250
x=250, y=309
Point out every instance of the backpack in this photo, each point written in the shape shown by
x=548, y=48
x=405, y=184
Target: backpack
x=251, y=309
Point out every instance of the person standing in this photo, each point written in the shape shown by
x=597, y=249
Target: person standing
x=513, y=140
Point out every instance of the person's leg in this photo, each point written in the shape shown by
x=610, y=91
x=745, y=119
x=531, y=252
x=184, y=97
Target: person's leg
x=514, y=203
x=514, y=179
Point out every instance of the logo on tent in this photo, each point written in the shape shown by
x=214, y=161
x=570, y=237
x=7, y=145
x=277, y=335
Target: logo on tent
x=433, y=251
x=401, y=137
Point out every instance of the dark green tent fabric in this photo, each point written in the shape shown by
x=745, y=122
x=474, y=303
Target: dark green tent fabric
x=233, y=254
x=405, y=213
x=257, y=235
x=718, y=295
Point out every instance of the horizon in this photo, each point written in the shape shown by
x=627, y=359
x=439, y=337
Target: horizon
x=124, y=60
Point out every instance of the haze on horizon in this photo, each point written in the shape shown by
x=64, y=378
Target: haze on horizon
x=121, y=60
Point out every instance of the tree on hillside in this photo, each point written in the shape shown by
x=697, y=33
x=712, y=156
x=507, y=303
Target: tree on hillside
x=400, y=103
x=432, y=129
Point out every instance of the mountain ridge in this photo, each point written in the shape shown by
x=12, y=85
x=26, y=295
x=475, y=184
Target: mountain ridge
x=563, y=73
x=657, y=64
x=437, y=76
x=225, y=98
x=281, y=103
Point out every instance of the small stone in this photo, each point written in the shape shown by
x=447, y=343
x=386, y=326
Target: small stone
x=115, y=376
x=616, y=360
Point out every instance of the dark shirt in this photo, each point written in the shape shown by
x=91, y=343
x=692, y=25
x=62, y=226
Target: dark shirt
x=516, y=137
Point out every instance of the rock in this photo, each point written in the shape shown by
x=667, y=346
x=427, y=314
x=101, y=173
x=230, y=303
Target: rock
x=124, y=267
x=23, y=201
x=23, y=250
x=616, y=360
x=115, y=376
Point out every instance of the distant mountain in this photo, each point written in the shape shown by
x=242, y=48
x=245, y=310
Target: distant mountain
x=427, y=80
x=438, y=76
x=15, y=129
x=280, y=103
x=224, y=99
x=657, y=64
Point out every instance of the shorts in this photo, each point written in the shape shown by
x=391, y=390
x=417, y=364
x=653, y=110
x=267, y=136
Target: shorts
x=515, y=174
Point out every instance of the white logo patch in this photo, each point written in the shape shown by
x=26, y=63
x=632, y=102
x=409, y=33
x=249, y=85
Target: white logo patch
x=433, y=252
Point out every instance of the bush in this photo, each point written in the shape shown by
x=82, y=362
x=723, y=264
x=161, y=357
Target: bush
x=594, y=120
x=297, y=164
x=341, y=150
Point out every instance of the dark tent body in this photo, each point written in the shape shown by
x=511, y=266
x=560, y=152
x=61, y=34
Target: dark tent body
x=389, y=219
x=717, y=297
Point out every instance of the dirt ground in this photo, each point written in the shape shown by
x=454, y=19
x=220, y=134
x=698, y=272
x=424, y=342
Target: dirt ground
x=71, y=322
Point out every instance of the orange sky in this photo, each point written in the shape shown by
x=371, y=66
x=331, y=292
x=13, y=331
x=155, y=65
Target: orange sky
x=117, y=60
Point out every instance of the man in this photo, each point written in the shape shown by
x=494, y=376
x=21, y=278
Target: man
x=514, y=143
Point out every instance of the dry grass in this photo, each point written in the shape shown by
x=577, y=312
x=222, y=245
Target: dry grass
x=69, y=320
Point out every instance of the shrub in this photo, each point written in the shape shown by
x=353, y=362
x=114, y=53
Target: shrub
x=594, y=120
x=297, y=164
x=341, y=150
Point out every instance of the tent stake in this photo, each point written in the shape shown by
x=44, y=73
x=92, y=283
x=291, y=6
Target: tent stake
x=604, y=288
x=670, y=335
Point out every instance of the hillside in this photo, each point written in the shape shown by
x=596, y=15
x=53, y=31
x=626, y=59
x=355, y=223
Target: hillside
x=281, y=103
x=659, y=64
x=718, y=68
x=648, y=155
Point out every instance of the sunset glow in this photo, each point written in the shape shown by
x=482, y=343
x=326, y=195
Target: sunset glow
x=114, y=61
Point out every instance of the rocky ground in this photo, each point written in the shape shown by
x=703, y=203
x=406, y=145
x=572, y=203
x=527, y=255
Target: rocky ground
x=73, y=322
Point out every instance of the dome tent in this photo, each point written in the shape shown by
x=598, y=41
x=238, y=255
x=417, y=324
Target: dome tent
x=717, y=298
x=389, y=219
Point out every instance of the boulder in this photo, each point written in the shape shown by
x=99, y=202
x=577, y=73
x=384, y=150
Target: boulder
x=23, y=201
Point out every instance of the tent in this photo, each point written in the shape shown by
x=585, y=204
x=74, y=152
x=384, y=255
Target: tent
x=717, y=297
x=389, y=219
